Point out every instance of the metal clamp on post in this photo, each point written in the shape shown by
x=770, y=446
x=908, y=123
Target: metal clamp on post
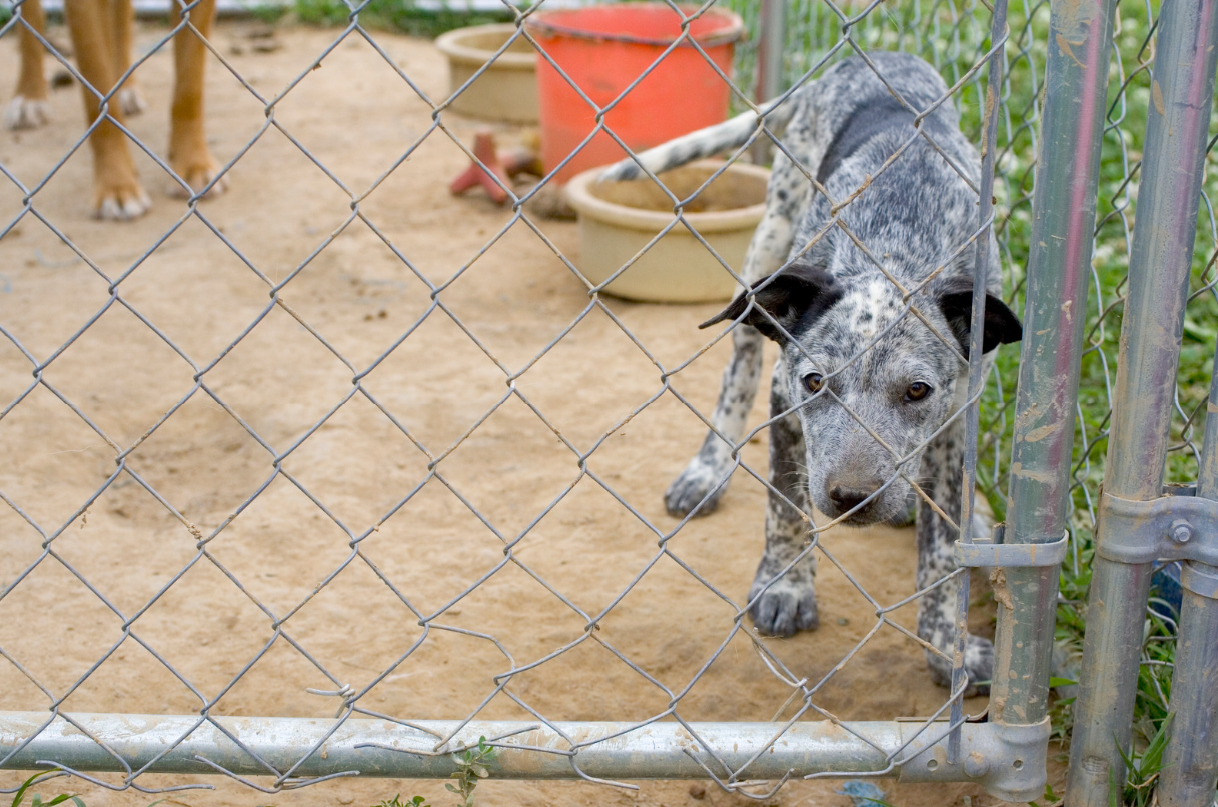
x=1180, y=526
x=995, y=553
x=1007, y=760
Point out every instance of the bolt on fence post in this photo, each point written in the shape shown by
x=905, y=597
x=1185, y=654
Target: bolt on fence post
x=1159, y=265
x=1059, y=267
x=1185, y=60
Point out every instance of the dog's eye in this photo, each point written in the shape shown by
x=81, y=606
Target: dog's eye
x=917, y=391
x=814, y=382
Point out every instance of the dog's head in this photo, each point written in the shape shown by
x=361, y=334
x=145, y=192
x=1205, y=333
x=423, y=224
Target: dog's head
x=871, y=380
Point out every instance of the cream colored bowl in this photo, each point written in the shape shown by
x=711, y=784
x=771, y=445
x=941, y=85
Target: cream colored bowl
x=618, y=219
x=507, y=91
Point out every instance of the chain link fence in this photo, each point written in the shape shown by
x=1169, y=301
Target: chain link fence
x=461, y=450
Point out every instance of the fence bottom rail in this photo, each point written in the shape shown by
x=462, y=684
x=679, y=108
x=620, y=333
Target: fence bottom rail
x=1007, y=760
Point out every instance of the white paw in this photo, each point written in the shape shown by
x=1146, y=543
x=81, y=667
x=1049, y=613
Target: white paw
x=123, y=206
x=130, y=101
x=26, y=113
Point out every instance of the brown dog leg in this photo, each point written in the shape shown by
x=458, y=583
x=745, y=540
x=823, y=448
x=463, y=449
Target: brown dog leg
x=29, y=108
x=129, y=96
x=116, y=188
x=188, y=152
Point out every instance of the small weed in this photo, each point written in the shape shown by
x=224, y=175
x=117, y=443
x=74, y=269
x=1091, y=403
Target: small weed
x=470, y=768
x=1051, y=799
x=417, y=801
x=1143, y=770
x=36, y=800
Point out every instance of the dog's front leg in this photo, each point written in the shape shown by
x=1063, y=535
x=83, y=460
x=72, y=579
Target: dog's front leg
x=941, y=475
x=117, y=193
x=129, y=96
x=188, y=152
x=787, y=604
x=699, y=483
x=30, y=107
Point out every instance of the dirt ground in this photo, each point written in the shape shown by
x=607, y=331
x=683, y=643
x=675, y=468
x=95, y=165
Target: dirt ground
x=357, y=117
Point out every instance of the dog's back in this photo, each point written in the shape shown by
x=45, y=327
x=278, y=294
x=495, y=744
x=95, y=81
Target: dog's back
x=906, y=190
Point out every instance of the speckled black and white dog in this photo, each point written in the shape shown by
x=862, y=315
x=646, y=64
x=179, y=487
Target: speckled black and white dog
x=873, y=360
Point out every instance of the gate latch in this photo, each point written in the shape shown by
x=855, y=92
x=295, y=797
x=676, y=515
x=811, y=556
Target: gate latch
x=996, y=553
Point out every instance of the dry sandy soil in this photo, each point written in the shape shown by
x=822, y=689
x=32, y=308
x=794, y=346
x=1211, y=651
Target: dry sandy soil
x=357, y=117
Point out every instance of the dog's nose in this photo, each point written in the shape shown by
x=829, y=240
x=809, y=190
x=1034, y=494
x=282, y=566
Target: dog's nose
x=847, y=498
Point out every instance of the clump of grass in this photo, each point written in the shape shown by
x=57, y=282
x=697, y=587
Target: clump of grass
x=417, y=801
x=394, y=15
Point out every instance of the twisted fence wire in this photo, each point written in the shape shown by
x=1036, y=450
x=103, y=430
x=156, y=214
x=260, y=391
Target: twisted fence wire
x=350, y=697
x=954, y=36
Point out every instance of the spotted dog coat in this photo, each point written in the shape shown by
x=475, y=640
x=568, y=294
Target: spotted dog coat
x=864, y=387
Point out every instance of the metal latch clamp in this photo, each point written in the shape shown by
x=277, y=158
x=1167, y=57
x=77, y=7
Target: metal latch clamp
x=1174, y=527
x=997, y=553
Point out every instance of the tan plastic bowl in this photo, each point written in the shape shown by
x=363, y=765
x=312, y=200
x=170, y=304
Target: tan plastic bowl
x=617, y=219
x=507, y=91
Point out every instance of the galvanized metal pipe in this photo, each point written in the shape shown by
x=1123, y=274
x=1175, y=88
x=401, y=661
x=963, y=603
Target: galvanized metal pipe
x=1059, y=266
x=769, y=65
x=769, y=49
x=999, y=758
x=1190, y=761
x=1159, y=264
x=987, y=254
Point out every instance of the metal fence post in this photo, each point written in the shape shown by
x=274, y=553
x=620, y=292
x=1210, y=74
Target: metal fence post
x=769, y=55
x=1184, y=76
x=1063, y=219
x=1190, y=762
x=1159, y=266
x=769, y=64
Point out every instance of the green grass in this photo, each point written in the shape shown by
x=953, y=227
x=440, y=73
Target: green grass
x=394, y=15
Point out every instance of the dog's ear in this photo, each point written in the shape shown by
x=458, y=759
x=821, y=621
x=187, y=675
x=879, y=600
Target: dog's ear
x=1002, y=327
x=789, y=296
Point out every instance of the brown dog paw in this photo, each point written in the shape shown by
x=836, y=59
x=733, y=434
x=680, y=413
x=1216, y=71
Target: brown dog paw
x=121, y=203
x=198, y=174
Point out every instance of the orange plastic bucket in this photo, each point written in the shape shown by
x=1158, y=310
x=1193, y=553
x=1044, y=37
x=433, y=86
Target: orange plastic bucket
x=603, y=49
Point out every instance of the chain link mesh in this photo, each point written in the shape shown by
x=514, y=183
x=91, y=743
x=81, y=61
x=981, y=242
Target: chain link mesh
x=953, y=36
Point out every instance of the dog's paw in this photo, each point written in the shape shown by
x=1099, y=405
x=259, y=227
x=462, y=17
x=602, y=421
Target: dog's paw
x=121, y=202
x=691, y=488
x=130, y=100
x=978, y=663
x=784, y=608
x=26, y=113
x=198, y=174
